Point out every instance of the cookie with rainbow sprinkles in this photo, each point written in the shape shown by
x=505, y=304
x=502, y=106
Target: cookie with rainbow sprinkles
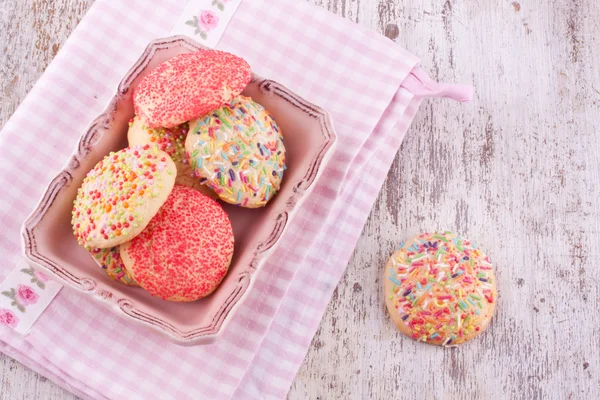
x=238, y=151
x=440, y=289
x=120, y=195
x=185, y=251
x=172, y=142
x=110, y=261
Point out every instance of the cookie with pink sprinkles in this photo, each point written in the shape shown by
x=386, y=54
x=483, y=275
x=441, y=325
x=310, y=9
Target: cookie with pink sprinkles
x=188, y=86
x=185, y=251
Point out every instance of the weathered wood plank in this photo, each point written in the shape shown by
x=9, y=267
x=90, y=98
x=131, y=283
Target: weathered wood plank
x=31, y=33
x=517, y=170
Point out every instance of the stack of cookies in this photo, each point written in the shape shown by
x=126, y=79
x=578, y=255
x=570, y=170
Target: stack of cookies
x=150, y=214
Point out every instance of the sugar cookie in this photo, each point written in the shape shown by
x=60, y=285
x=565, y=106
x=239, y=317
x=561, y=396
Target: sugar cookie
x=185, y=251
x=172, y=142
x=111, y=262
x=440, y=289
x=239, y=150
x=188, y=86
x=120, y=195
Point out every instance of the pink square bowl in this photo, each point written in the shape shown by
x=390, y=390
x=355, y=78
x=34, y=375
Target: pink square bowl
x=49, y=242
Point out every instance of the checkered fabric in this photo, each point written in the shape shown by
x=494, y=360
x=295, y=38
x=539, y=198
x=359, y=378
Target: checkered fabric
x=353, y=73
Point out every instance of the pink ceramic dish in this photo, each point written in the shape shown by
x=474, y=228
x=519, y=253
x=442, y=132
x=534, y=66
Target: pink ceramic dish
x=49, y=242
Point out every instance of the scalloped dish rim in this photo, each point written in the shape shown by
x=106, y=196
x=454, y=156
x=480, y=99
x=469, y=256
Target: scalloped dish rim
x=209, y=333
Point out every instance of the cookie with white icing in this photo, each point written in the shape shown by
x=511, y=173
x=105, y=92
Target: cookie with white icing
x=238, y=151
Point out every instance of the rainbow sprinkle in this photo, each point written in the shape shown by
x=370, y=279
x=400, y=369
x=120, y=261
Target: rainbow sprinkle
x=111, y=262
x=114, y=195
x=169, y=140
x=239, y=150
x=443, y=288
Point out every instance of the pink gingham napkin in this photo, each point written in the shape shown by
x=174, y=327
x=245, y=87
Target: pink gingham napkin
x=356, y=75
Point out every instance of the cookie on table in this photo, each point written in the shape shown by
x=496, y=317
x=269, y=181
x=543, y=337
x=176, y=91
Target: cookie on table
x=120, y=195
x=189, y=85
x=440, y=289
x=172, y=142
x=111, y=262
x=239, y=151
x=185, y=251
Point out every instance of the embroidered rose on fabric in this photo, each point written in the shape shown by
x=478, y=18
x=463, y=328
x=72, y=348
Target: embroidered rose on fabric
x=30, y=292
x=21, y=296
x=208, y=20
x=204, y=23
x=26, y=295
x=7, y=317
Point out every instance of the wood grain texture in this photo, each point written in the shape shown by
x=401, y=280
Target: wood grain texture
x=31, y=33
x=518, y=170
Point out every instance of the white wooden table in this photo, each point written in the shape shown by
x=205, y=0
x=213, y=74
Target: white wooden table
x=517, y=170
